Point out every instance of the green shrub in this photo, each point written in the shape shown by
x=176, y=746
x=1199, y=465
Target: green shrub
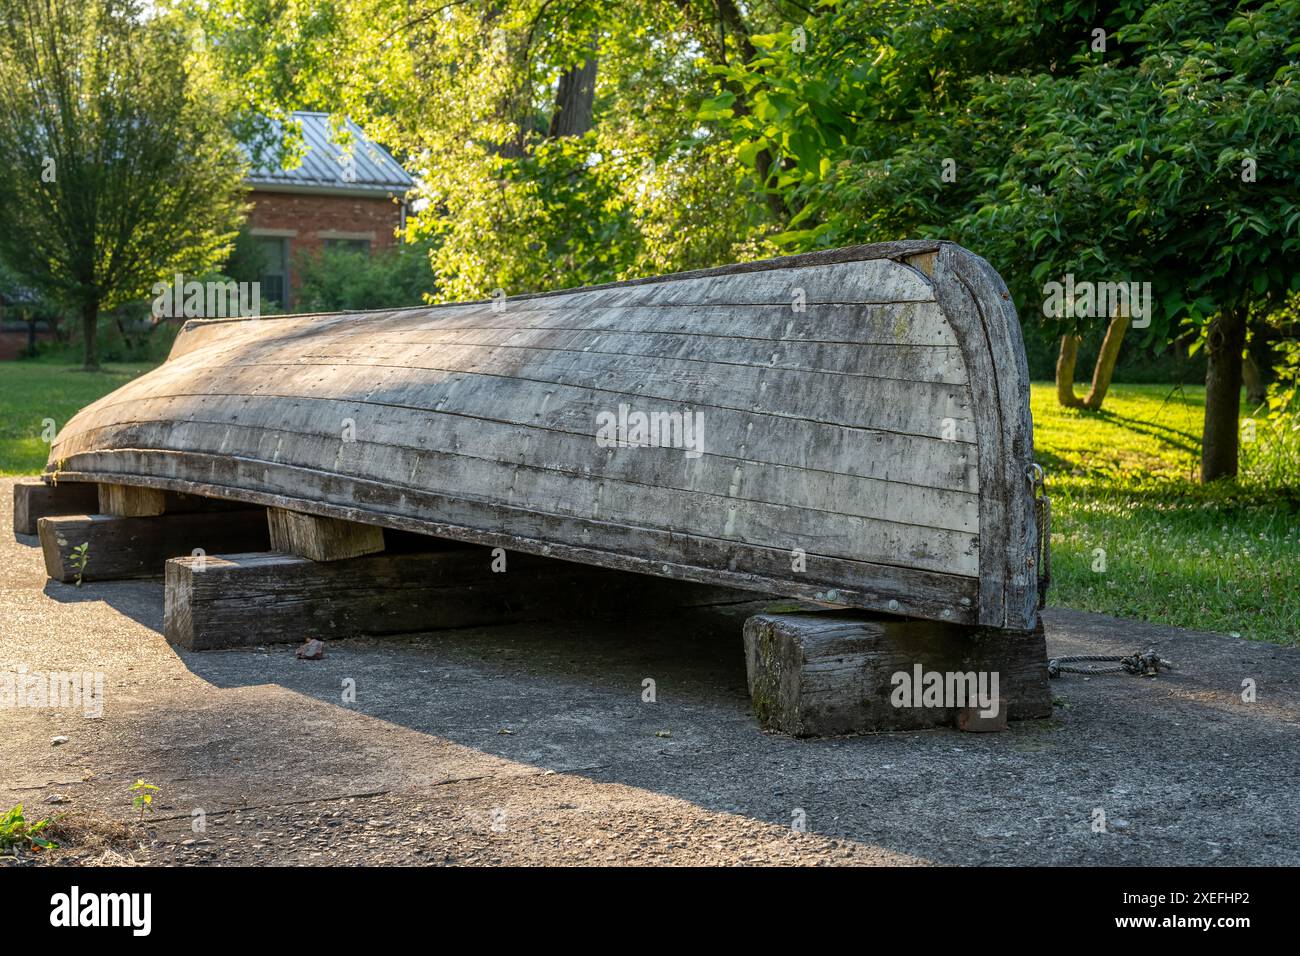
x=16, y=833
x=1270, y=446
x=125, y=335
x=342, y=280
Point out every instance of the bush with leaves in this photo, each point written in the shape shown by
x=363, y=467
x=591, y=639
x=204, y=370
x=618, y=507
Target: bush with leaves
x=344, y=280
x=17, y=833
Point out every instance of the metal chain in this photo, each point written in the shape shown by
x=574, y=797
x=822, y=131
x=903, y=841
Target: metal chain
x=1043, y=519
x=1142, y=665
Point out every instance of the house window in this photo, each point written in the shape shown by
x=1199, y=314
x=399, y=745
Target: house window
x=361, y=246
x=274, y=274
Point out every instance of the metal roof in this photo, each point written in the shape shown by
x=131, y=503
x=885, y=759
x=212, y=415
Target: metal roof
x=325, y=164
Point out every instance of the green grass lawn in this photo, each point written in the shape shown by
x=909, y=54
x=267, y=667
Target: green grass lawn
x=1133, y=534
x=33, y=391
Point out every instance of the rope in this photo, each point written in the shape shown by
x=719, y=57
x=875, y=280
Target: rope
x=1142, y=665
x=1043, y=521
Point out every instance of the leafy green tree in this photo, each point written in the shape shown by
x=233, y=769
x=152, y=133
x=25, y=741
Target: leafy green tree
x=556, y=145
x=883, y=119
x=1191, y=158
x=1167, y=155
x=1226, y=179
x=115, y=167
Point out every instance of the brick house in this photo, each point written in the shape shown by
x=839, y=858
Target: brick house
x=342, y=198
x=24, y=321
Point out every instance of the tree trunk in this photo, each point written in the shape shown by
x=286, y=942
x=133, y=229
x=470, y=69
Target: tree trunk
x=574, y=99
x=1226, y=339
x=121, y=330
x=1106, y=358
x=1069, y=354
x=89, y=328
x=1253, y=379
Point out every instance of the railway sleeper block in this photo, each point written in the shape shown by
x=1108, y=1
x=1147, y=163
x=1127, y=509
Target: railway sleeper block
x=826, y=673
x=35, y=498
x=233, y=600
x=108, y=547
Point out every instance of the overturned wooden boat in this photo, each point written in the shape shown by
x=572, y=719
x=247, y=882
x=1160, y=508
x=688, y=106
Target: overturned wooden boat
x=850, y=427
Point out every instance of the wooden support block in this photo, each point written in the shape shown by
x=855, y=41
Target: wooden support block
x=139, y=547
x=823, y=673
x=230, y=600
x=35, y=498
x=131, y=501
x=322, y=539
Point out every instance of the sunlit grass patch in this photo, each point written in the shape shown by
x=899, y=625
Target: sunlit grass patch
x=1134, y=535
x=1142, y=431
x=33, y=391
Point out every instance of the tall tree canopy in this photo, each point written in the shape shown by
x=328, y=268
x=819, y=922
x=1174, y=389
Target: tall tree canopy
x=559, y=143
x=115, y=168
x=1149, y=142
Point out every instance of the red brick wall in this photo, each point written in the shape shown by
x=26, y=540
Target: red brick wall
x=13, y=344
x=309, y=215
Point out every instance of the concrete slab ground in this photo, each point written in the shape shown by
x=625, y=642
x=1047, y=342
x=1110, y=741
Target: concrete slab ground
x=532, y=744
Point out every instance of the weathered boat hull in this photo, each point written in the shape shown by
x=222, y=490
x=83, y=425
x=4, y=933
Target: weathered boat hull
x=862, y=438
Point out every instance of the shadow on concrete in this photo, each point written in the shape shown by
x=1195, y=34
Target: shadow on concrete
x=140, y=599
x=1189, y=770
x=570, y=696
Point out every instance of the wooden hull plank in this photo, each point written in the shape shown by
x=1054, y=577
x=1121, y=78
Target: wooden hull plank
x=901, y=590
x=829, y=533
x=914, y=324
x=447, y=444
x=864, y=281
x=864, y=412
x=917, y=460
x=384, y=454
x=940, y=363
x=798, y=482
x=909, y=408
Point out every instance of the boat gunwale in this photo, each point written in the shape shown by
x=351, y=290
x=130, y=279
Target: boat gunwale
x=908, y=581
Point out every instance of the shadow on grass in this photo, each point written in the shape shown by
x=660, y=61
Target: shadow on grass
x=1163, y=433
